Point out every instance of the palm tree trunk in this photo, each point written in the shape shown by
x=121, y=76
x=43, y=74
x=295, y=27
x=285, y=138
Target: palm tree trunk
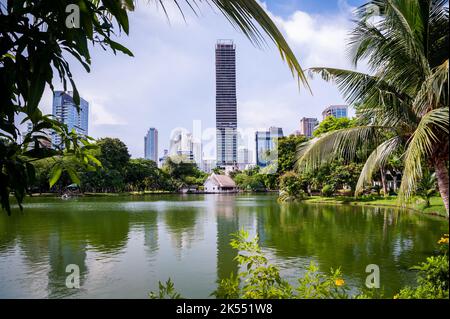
x=383, y=181
x=440, y=166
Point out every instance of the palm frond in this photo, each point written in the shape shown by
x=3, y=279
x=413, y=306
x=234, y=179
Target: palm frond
x=434, y=91
x=432, y=128
x=375, y=160
x=394, y=44
x=337, y=144
x=381, y=100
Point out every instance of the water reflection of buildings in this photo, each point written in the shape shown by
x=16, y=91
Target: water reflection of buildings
x=182, y=227
x=151, y=233
x=62, y=253
x=227, y=223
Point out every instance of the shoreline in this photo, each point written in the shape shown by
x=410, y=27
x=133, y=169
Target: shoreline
x=436, y=209
x=430, y=211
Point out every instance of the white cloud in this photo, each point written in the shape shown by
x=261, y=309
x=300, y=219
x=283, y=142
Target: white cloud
x=99, y=114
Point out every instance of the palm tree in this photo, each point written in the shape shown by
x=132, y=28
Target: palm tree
x=426, y=187
x=403, y=101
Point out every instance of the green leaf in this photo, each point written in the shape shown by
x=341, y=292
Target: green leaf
x=55, y=174
x=73, y=175
x=120, y=47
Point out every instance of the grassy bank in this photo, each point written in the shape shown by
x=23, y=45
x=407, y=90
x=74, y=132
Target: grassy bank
x=436, y=204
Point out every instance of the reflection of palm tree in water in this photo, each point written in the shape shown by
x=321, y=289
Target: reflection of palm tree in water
x=227, y=223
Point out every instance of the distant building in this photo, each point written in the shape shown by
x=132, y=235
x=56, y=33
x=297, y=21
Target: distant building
x=307, y=126
x=151, y=145
x=245, y=158
x=183, y=143
x=65, y=111
x=226, y=103
x=338, y=111
x=266, y=145
x=208, y=165
x=219, y=184
x=163, y=159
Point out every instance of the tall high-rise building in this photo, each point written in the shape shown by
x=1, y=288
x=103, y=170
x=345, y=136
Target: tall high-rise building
x=226, y=103
x=65, y=111
x=307, y=125
x=151, y=145
x=266, y=142
x=338, y=111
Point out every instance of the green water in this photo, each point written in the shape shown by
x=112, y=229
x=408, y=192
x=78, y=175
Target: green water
x=124, y=245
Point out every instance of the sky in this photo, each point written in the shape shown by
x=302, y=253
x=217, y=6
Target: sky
x=170, y=81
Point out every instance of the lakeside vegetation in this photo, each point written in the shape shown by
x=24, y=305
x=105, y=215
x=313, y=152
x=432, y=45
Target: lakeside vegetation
x=417, y=204
x=258, y=278
x=117, y=174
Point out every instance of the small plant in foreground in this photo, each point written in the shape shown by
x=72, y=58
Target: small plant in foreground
x=262, y=280
x=433, y=276
x=258, y=279
x=166, y=291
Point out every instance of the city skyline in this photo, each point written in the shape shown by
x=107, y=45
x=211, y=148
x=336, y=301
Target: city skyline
x=174, y=101
x=182, y=142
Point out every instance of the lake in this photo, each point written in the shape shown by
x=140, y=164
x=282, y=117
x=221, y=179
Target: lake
x=124, y=245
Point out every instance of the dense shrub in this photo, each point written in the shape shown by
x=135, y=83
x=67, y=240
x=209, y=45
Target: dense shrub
x=327, y=191
x=292, y=187
x=432, y=278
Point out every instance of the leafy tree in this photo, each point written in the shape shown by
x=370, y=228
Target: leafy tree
x=142, y=174
x=179, y=167
x=406, y=95
x=287, y=150
x=113, y=153
x=250, y=182
x=342, y=175
x=218, y=171
x=330, y=124
x=292, y=187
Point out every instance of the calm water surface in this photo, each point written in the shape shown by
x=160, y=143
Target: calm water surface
x=125, y=245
